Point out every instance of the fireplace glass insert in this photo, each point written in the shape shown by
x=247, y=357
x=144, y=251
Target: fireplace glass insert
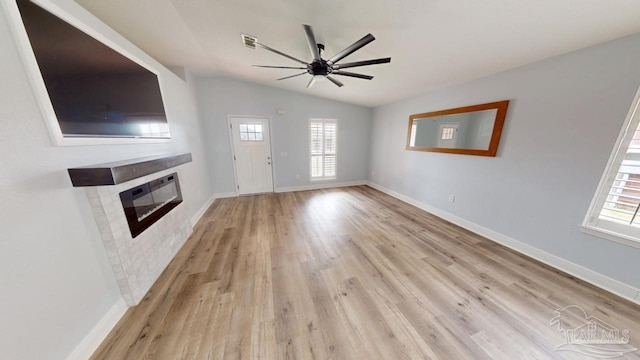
x=147, y=203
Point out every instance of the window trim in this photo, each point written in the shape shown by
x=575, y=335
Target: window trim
x=322, y=178
x=591, y=224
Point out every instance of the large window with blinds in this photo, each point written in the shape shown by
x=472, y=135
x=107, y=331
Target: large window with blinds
x=615, y=209
x=323, y=143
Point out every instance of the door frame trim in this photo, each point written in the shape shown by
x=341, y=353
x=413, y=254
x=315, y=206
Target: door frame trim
x=235, y=170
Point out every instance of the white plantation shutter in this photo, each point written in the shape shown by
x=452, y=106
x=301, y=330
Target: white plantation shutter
x=615, y=210
x=316, y=129
x=323, y=136
x=623, y=198
x=330, y=140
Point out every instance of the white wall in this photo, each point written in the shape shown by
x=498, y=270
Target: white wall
x=219, y=97
x=563, y=119
x=56, y=282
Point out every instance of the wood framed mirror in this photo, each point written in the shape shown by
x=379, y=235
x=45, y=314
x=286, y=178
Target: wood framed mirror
x=469, y=130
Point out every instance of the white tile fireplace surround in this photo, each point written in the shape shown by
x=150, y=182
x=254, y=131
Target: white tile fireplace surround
x=137, y=262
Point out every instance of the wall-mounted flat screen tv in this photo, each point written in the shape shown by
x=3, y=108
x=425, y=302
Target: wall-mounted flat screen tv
x=95, y=91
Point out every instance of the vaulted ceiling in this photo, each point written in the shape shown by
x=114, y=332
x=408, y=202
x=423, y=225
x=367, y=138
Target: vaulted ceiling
x=433, y=43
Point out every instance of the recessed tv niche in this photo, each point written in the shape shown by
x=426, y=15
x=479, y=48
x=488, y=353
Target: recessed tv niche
x=96, y=92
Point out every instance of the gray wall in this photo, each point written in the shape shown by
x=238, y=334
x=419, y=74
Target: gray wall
x=564, y=117
x=220, y=97
x=56, y=282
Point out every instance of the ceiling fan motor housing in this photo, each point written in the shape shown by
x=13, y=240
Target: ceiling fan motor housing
x=319, y=67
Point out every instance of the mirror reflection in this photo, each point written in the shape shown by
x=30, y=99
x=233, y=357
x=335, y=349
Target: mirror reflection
x=473, y=130
x=468, y=131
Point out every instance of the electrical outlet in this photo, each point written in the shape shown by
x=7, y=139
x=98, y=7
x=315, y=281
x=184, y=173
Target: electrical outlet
x=452, y=198
x=298, y=176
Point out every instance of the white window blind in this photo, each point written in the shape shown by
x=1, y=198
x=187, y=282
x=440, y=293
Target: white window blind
x=323, y=135
x=615, y=209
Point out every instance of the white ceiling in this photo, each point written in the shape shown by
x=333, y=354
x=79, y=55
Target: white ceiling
x=432, y=43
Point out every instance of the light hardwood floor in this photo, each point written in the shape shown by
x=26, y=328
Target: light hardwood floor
x=352, y=273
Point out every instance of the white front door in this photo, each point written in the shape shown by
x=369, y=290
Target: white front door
x=252, y=154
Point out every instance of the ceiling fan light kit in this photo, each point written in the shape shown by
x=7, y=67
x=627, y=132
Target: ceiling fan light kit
x=319, y=68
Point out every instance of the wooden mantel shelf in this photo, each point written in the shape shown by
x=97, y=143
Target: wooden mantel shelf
x=122, y=171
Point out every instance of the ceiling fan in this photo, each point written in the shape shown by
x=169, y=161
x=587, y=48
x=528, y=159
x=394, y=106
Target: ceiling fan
x=320, y=68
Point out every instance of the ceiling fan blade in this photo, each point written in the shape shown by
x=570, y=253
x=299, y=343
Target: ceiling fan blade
x=311, y=40
x=346, y=73
x=280, y=53
x=351, y=48
x=279, y=67
x=311, y=82
x=362, y=63
x=287, y=77
x=335, y=81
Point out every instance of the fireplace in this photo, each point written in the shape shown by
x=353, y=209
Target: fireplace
x=147, y=203
x=148, y=191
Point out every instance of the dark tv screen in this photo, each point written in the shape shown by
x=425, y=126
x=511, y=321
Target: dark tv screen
x=95, y=91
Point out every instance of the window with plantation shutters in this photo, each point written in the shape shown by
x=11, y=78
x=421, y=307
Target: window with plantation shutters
x=323, y=143
x=615, y=209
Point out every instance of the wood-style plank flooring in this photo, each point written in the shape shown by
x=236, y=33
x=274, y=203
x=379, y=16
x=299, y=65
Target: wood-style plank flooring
x=352, y=273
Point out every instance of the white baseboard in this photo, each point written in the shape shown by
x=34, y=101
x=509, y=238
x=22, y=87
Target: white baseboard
x=207, y=204
x=320, y=185
x=203, y=209
x=604, y=282
x=225, y=195
x=99, y=332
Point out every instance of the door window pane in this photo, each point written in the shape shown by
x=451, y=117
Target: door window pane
x=251, y=132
